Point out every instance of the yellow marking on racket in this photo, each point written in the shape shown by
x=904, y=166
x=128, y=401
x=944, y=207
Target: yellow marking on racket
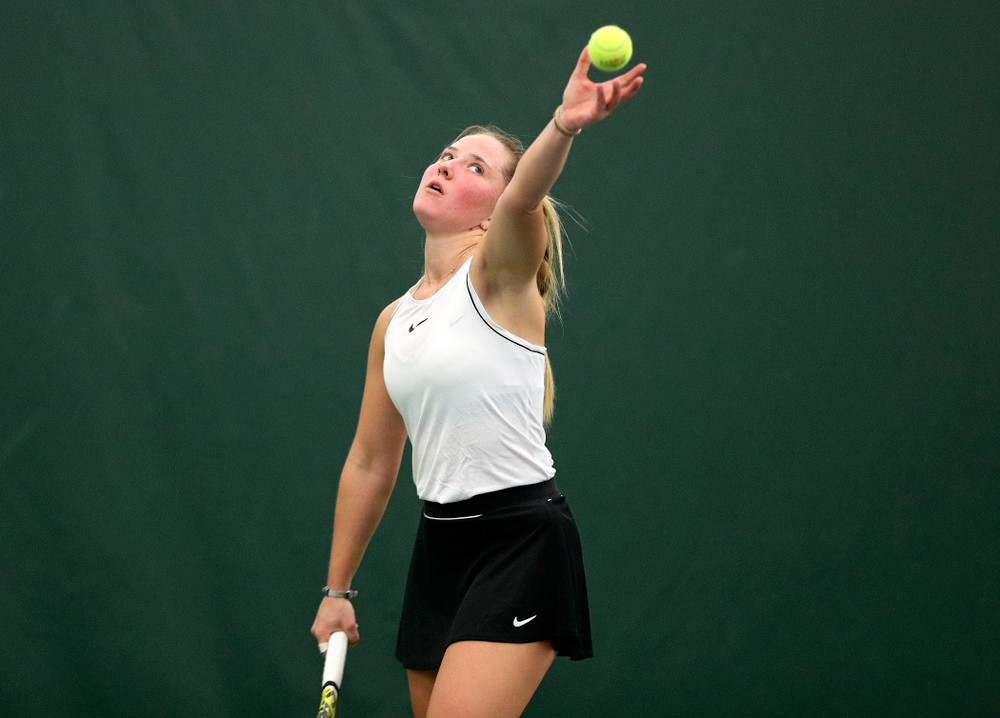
x=328, y=703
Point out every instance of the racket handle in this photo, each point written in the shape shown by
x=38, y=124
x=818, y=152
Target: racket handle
x=336, y=655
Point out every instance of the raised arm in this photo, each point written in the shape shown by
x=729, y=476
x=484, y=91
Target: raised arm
x=366, y=483
x=515, y=242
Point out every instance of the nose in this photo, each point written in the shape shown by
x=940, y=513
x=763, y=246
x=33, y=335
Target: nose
x=444, y=168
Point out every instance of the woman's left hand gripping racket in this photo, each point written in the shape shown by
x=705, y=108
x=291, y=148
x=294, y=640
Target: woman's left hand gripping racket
x=333, y=674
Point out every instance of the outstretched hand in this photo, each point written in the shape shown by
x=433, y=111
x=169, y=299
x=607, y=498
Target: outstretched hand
x=586, y=102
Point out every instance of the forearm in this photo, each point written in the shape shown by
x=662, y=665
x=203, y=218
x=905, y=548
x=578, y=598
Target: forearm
x=583, y=103
x=538, y=169
x=361, y=501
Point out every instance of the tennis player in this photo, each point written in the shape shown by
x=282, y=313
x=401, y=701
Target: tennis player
x=458, y=365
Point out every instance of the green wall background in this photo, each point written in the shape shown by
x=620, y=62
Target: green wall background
x=778, y=385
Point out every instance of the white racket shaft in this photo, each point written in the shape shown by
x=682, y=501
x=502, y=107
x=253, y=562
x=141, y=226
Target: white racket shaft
x=333, y=673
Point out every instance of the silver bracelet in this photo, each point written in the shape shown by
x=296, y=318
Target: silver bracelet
x=332, y=593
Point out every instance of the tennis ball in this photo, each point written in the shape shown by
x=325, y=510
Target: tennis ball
x=610, y=48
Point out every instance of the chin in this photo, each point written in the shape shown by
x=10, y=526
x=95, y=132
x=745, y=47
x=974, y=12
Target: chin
x=421, y=213
x=431, y=217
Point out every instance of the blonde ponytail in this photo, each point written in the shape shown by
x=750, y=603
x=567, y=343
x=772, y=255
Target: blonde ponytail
x=551, y=283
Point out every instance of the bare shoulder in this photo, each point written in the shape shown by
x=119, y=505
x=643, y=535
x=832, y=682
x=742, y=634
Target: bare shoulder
x=382, y=323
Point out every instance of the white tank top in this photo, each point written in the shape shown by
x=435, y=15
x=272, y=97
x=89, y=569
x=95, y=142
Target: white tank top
x=470, y=394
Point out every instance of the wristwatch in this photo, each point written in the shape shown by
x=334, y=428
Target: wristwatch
x=348, y=594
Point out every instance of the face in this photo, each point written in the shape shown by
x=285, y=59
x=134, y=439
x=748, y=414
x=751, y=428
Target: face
x=460, y=189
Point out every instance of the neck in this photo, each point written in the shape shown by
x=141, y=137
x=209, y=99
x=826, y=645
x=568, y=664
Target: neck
x=443, y=255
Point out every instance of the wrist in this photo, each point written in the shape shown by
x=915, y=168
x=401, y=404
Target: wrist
x=349, y=594
x=560, y=127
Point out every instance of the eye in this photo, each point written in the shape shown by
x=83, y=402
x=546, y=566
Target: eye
x=447, y=156
x=478, y=169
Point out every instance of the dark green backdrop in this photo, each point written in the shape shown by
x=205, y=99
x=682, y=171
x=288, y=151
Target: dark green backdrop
x=778, y=383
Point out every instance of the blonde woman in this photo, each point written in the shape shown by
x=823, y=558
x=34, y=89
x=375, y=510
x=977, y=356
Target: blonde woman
x=458, y=365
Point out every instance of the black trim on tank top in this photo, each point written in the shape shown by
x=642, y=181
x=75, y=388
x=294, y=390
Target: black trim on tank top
x=468, y=285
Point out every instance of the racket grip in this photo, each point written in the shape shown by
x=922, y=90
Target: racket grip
x=336, y=655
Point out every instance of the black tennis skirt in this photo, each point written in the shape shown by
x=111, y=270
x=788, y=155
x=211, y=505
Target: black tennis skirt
x=504, y=567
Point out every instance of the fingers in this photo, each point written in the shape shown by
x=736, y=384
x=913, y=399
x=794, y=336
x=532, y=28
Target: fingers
x=583, y=62
x=352, y=640
x=608, y=97
x=633, y=73
x=622, y=88
x=629, y=89
x=353, y=636
x=616, y=96
x=323, y=636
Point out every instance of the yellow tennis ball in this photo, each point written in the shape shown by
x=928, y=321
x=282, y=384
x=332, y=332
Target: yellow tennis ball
x=610, y=48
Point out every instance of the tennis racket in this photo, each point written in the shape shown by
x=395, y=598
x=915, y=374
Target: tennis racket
x=333, y=674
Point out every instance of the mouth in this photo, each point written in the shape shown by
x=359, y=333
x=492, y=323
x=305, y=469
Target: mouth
x=436, y=187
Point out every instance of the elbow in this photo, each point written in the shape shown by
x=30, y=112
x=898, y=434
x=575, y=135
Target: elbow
x=374, y=469
x=514, y=203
